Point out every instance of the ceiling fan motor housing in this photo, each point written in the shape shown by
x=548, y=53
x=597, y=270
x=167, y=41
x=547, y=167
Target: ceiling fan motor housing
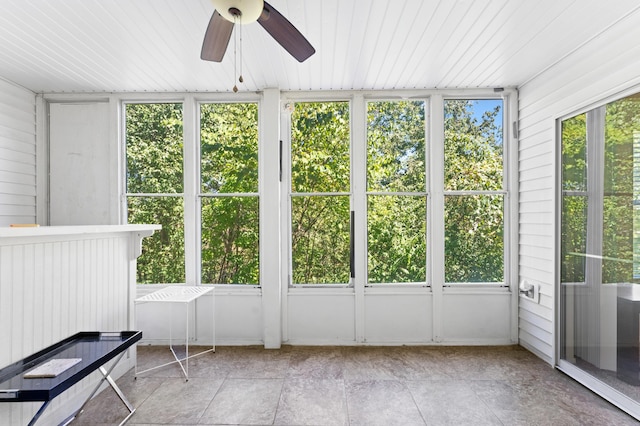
x=249, y=10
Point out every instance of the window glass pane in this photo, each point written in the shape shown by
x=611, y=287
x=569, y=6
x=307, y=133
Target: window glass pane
x=621, y=160
x=396, y=239
x=154, y=154
x=574, y=199
x=162, y=259
x=154, y=148
x=474, y=247
x=320, y=147
x=395, y=146
x=473, y=144
x=230, y=240
x=229, y=148
x=574, y=239
x=320, y=239
x=574, y=153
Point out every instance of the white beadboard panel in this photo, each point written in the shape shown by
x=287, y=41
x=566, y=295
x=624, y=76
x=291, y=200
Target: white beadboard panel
x=17, y=155
x=154, y=45
x=603, y=65
x=398, y=318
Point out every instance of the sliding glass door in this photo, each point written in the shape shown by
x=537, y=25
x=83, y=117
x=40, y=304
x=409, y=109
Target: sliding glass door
x=599, y=264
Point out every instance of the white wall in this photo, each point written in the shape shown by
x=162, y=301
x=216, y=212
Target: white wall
x=602, y=67
x=17, y=155
x=80, y=165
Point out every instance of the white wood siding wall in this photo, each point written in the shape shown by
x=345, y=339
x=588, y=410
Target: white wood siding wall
x=17, y=155
x=603, y=66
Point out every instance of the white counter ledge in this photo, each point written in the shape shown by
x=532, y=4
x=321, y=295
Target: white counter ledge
x=38, y=231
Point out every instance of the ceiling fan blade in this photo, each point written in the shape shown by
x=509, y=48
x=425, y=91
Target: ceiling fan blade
x=285, y=33
x=216, y=39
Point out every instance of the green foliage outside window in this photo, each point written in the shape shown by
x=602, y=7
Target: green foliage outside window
x=474, y=224
x=229, y=165
x=397, y=203
x=320, y=164
x=154, y=146
x=608, y=185
x=321, y=191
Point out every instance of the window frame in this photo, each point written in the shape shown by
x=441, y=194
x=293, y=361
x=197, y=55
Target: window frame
x=506, y=191
x=434, y=136
x=434, y=162
x=124, y=194
x=426, y=193
x=289, y=194
x=191, y=171
x=200, y=195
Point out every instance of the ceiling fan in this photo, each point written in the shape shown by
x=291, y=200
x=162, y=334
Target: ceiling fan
x=228, y=12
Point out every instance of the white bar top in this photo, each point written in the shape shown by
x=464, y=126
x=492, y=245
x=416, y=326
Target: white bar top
x=41, y=231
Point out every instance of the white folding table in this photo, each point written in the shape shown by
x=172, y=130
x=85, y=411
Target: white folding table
x=186, y=295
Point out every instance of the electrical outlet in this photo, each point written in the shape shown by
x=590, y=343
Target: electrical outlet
x=530, y=290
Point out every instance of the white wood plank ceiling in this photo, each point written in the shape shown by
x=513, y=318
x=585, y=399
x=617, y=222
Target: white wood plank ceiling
x=154, y=45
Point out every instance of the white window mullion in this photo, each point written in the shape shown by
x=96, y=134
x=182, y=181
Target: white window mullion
x=191, y=214
x=269, y=173
x=285, y=212
x=359, y=206
x=510, y=185
x=435, y=242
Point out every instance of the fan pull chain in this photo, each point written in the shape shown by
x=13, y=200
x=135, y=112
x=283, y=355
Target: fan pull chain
x=235, y=53
x=240, y=79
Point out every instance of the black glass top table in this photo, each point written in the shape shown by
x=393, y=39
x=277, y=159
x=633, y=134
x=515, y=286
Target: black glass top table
x=51, y=371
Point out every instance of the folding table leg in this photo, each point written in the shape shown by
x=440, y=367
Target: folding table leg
x=39, y=413
x=106, y=376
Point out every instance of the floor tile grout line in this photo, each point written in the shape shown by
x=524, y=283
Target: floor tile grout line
x=413, y=398
x=483, y=401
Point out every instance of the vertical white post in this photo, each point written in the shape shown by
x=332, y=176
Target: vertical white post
x=269, y=181
x=359, y=205
x=436, y=204
x=191, y=166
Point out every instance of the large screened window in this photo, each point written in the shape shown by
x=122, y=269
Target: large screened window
x=229, y=193
x=474, y=202
x=209, y=230
x=385, y=189
x=320, y=193
x=396, y=192
x=384, y=198
x=155, y=186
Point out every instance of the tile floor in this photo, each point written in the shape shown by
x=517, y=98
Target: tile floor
x=353, y=386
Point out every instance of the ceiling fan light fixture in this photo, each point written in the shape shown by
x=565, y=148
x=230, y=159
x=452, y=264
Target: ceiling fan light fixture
x=250, y=9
